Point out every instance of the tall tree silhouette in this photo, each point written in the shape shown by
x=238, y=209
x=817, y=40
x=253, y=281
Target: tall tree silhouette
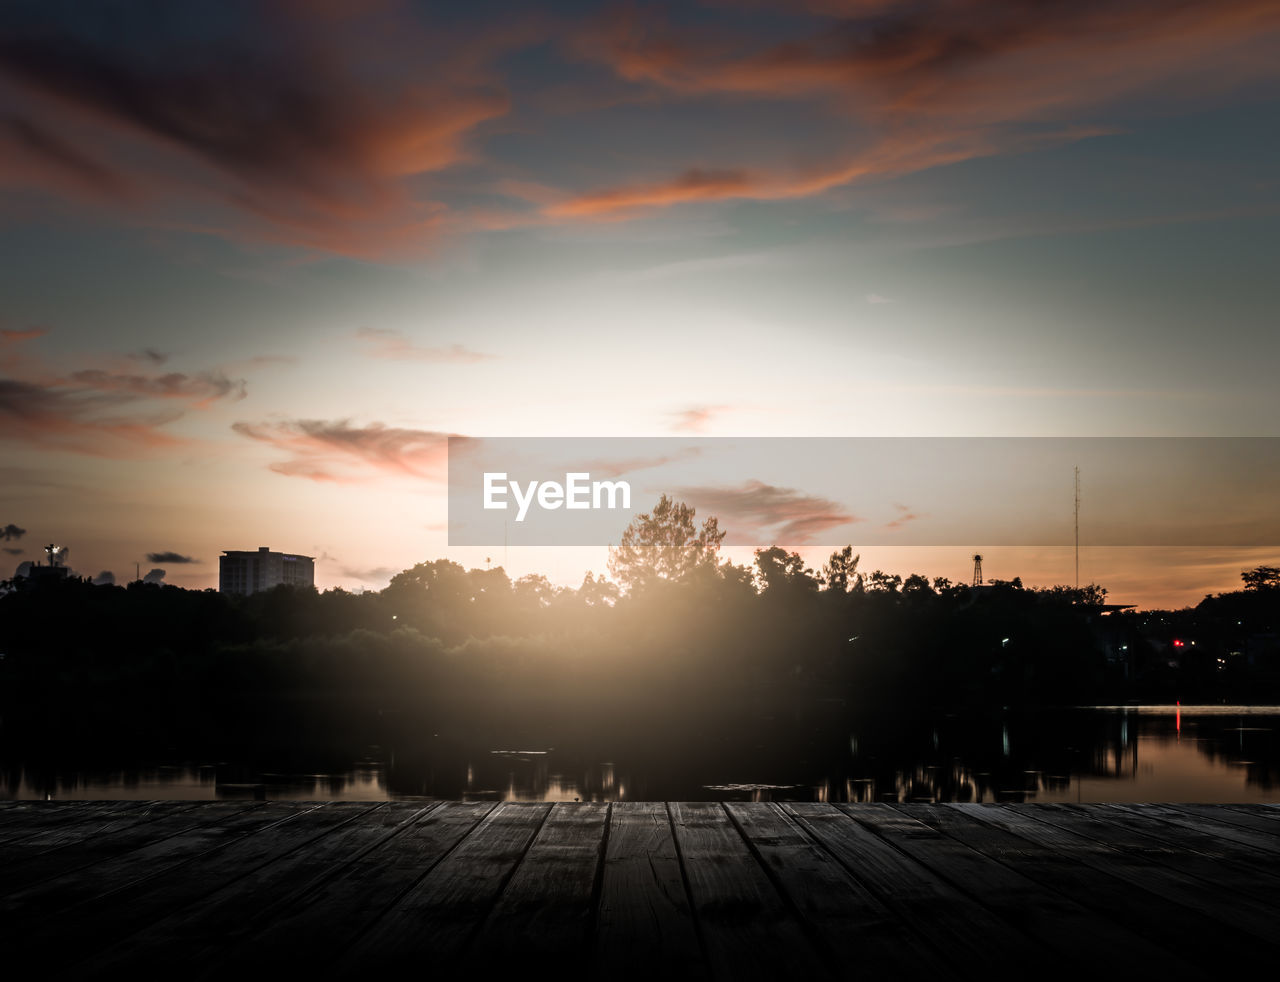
x=840, y=572
x=665, y=545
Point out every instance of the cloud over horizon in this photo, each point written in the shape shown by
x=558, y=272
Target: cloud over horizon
x=784, y=515
x=342, y=452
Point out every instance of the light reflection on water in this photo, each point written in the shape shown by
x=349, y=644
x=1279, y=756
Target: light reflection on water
x=1101, y=754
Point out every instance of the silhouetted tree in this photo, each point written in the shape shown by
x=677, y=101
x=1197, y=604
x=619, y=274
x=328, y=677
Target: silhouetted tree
x=840, y=572
x=778, y=569
x=1261, y=578
x=881, y=582
x=665, y=545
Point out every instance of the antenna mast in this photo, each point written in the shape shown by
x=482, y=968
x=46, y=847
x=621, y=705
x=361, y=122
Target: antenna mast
x=1077, y=528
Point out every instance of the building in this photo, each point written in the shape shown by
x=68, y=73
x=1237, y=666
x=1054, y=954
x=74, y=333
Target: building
x=55, y=572
x=243, y=573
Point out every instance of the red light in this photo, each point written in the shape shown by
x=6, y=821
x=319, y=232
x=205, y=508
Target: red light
x=1177, y=643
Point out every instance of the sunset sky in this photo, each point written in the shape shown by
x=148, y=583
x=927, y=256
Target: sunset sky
x=262, y=258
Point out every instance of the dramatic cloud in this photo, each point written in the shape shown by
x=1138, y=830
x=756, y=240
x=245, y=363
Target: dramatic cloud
x=394, y=346
x=784, y=515
x=287, y=122
x=11, y=531
x=932, y=83
x=692, y=185
x=342, y=452
x=105, y=578
x=101, y=422
x=99, y=412
x=170, y=558
x=87, y=423
x=154, y=576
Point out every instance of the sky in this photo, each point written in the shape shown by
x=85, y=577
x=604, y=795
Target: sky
x=262, y=258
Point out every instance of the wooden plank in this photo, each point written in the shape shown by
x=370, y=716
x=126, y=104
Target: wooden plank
x=856, y=928
x=962, y=931
x=223, y=919
x=1261, y=834
x=1257, y=809
x=1065, y=927
x=436, y=917
x=72, y=845
x=20, y=820
x=165, y=819
x=745, y=926
x=1190, y=850
x=644, y=917
x=1111, y=849
x=122, y=894
x=126, y=911
x=342, y=907
x=547, y=907
x=1155, y=928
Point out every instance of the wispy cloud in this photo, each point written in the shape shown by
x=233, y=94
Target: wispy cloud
x=100, y=424
x=198, y=390
x=783, y=515
x=342, y=452
x=285, y=123
x=394, y=346
x=96, y=411
x=874, y=298
x=905, y=516
x=933, y=83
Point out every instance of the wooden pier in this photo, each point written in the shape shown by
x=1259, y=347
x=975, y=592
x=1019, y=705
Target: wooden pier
x=690, y=890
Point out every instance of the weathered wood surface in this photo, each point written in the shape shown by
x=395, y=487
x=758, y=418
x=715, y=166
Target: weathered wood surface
x=680, y=890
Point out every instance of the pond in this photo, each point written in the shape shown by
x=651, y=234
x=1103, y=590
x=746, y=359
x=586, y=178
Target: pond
x=1088, y=754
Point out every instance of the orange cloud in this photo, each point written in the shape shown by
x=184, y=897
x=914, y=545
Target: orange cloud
x=934, y=83
x=86, y=422
x=338, y=451
x=98, y=412
x=286, y=129
x=692, y=185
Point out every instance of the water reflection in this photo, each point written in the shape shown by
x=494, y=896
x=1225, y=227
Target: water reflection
x=1173, y=753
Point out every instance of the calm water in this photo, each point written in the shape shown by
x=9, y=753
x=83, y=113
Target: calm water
x=1164, y=753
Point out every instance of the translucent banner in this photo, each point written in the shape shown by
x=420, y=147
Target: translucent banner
x=916, y=491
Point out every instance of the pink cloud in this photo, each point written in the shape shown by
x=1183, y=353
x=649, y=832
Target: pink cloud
x=338, y=451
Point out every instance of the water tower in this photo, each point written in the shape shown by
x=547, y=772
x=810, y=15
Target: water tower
x=977, y=570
